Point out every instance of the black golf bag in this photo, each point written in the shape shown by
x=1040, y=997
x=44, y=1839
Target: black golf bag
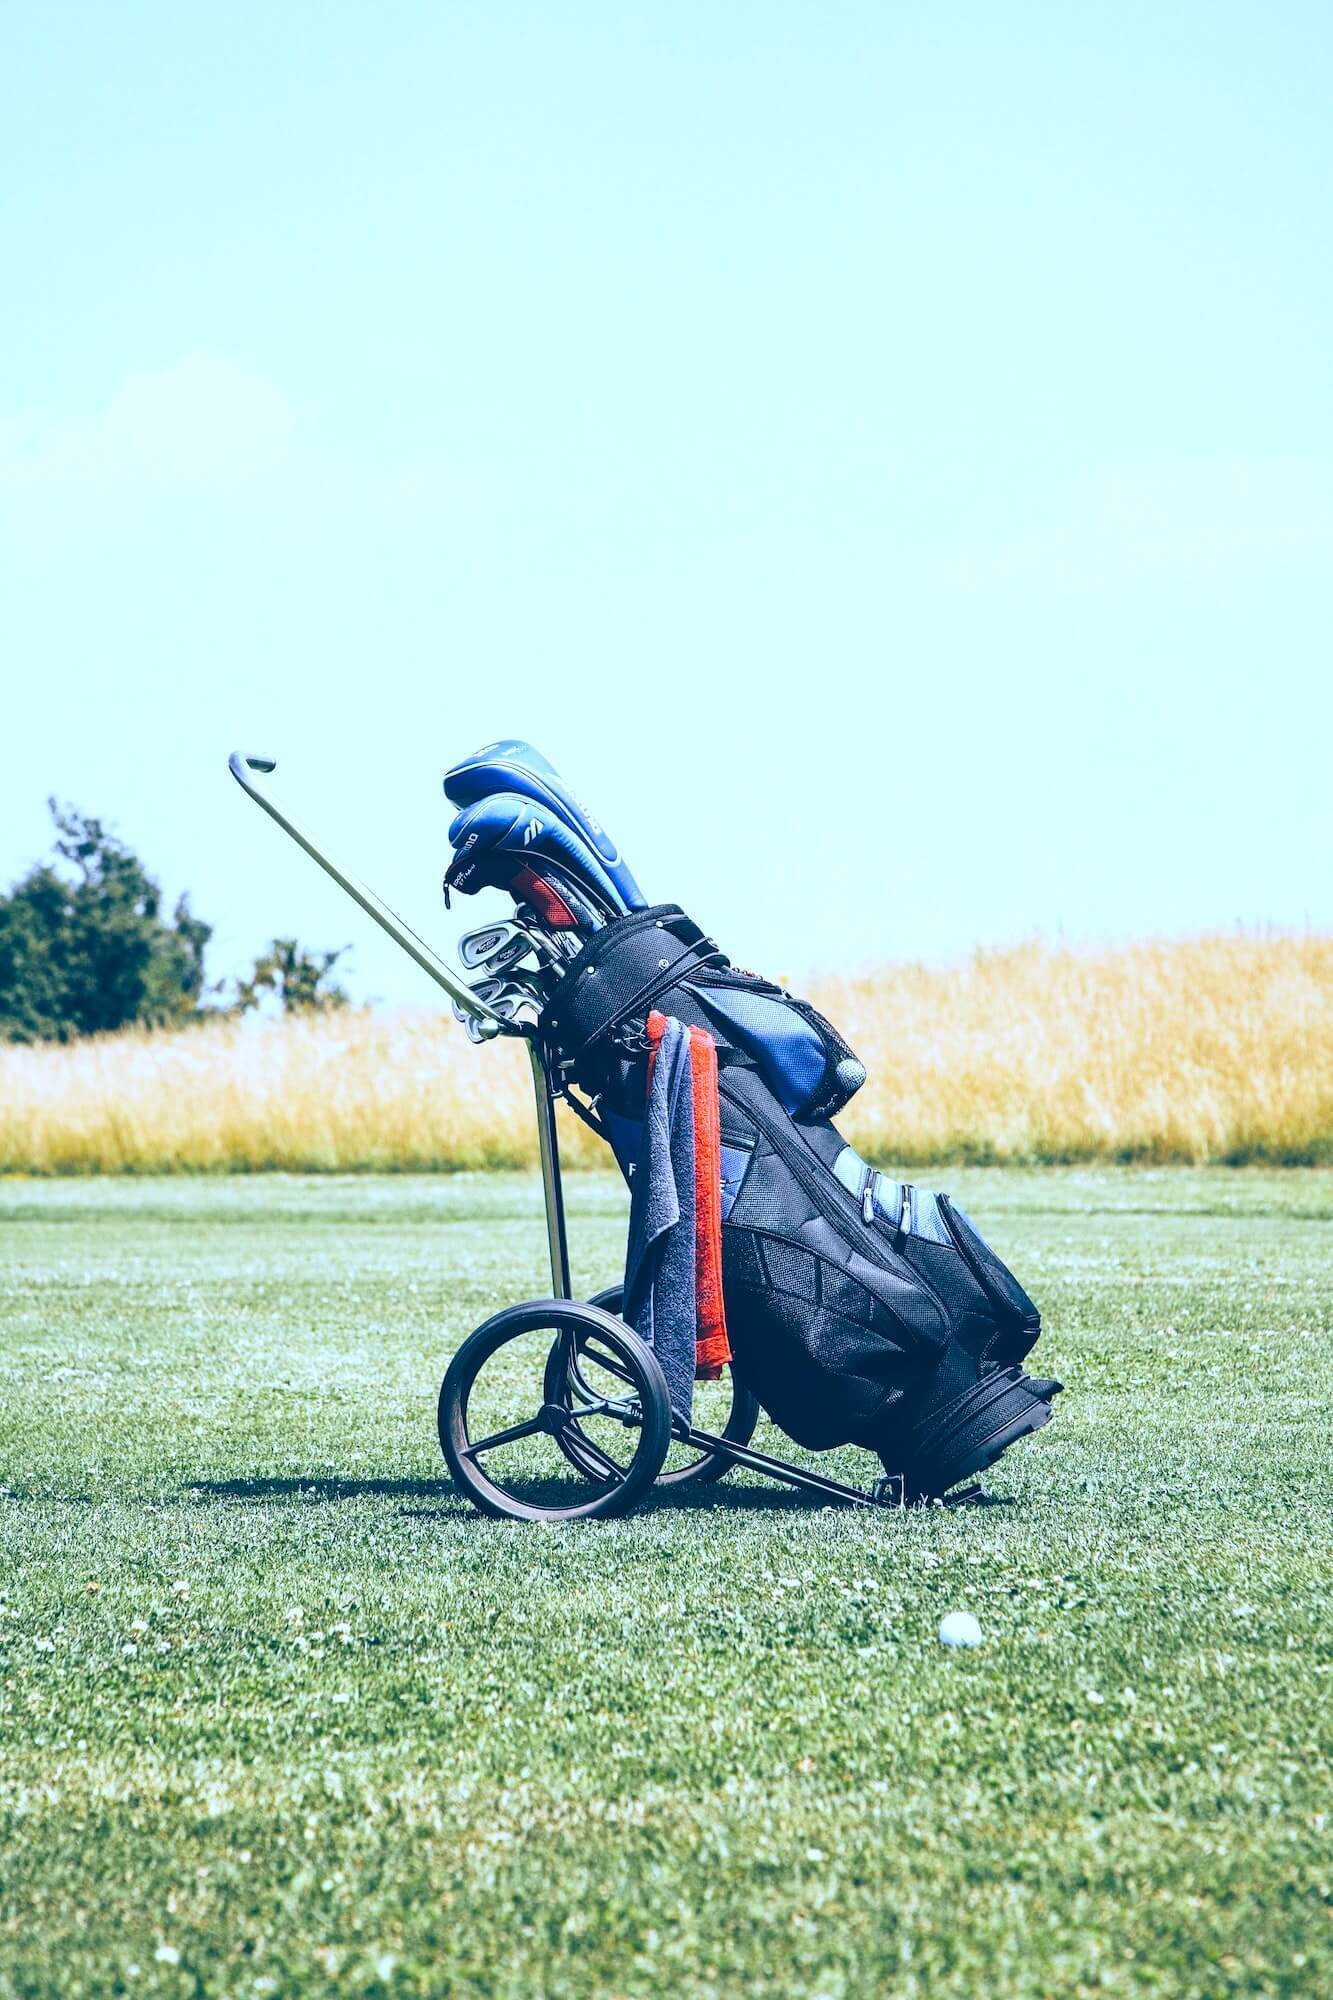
x=860, y=1310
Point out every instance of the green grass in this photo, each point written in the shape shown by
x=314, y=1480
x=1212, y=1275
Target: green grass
x=279, y=1715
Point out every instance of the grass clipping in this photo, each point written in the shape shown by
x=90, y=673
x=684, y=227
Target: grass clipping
x=1211, y=1049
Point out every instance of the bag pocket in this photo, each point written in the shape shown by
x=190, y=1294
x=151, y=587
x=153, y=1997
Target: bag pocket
x=826, y=1338
x=816, y=1347
x=801, y=1057
x=1016, y=1313
x=785, y=1048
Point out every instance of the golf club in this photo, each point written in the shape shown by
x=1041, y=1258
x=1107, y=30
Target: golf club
x=512, y=766
x=249, y=773
x=494, y=946
x=508, y=827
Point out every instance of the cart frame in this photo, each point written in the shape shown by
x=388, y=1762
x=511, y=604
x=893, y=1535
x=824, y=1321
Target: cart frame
x=549, y=1086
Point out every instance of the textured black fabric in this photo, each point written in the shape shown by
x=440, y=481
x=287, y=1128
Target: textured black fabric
x=616, y=977
x=848, y=1330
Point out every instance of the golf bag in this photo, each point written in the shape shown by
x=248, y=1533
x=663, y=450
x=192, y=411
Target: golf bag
x=859, y=1310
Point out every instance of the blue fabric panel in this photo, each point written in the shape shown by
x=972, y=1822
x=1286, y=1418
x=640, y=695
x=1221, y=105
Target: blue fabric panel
x=625, y=1136
x=889, y=1200
x=735, y=1159
x=927, y=1222
x=782, y=1042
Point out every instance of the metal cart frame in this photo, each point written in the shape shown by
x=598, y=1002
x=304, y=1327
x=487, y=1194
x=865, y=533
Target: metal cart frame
x=616, y=1349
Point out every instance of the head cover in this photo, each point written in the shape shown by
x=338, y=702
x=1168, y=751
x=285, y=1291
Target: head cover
x=511, y=766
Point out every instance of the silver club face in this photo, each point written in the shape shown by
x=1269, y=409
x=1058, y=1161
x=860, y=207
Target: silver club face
x=493, y=945
x=506, y=1004
x=515, y=986
x=509, y=994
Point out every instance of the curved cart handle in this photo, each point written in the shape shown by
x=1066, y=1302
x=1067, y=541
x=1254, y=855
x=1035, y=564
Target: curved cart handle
x=247, y=772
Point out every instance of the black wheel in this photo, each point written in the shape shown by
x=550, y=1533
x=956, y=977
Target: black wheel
x=728, y=1410
x=498, y=1406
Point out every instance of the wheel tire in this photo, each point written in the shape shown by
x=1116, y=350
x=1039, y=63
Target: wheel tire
x=705, y=1470
x=569, y=1319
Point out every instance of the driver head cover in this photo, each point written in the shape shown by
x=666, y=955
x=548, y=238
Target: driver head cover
x=512, y=766
x=505, y=824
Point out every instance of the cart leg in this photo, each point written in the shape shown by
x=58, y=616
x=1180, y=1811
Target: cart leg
x=548, y=1145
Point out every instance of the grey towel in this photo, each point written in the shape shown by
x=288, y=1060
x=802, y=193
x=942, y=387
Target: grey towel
x=660, y=1298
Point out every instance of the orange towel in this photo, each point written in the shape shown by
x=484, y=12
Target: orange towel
x=655, y=1027
x=712, y=1349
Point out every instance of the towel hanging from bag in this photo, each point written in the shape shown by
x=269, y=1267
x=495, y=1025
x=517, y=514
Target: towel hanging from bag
x=673, y=1265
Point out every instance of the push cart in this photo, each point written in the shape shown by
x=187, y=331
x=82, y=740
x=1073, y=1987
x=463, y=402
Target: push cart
x=555, y=1410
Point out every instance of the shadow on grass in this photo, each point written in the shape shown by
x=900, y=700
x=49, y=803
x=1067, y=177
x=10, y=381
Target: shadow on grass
x=535, y=1493
x=36, y=1495
x=772, y=1499
x=332, y=1488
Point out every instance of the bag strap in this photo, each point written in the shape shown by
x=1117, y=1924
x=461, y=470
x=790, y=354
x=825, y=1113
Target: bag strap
x=620, y=973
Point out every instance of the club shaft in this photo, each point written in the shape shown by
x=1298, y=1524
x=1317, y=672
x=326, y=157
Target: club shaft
x=245, y=771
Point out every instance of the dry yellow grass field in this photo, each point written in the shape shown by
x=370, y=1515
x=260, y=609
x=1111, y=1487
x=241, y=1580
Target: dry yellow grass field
x=1209, y=1049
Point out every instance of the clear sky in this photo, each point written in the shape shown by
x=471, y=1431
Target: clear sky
x=882, y=453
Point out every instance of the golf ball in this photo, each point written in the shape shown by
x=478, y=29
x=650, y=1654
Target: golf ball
x=960, y=1628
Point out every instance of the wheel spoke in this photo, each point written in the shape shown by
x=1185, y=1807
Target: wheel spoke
x=598, y=1406
x=511, y=1436
x=595, y=1457
x=609, y=1362
x=581, y=1389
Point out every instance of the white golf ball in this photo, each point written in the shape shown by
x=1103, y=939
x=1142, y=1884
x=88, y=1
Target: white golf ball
x=960, y=1628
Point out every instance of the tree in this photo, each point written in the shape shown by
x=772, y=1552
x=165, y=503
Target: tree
x=299, y=978
x=84, y=944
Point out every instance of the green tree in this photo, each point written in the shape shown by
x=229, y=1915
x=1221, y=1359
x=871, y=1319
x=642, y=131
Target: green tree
x=85, y=946
x=299, y=978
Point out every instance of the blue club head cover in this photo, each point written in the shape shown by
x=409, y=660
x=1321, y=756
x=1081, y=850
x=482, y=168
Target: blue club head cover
x=510, y=765
x=532, y=835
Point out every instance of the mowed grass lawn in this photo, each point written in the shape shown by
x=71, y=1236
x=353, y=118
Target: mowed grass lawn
x=282, y=1716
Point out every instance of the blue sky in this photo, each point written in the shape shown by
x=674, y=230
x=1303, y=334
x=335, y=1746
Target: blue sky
x=884, y=454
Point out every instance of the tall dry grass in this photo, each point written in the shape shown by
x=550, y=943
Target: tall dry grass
x=1207, y=1049
x=1216, y=1048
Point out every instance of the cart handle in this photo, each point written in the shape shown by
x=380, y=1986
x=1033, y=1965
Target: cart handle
x=247, y=772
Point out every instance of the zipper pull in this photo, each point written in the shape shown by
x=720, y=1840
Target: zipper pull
x=868, y=1197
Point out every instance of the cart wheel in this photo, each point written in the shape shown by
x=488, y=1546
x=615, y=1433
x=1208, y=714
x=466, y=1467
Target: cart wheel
x=496, y=1404
x=684, y=1466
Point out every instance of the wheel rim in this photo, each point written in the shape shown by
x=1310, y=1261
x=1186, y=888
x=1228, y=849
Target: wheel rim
x=725, y=1408
x=515, y=1434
